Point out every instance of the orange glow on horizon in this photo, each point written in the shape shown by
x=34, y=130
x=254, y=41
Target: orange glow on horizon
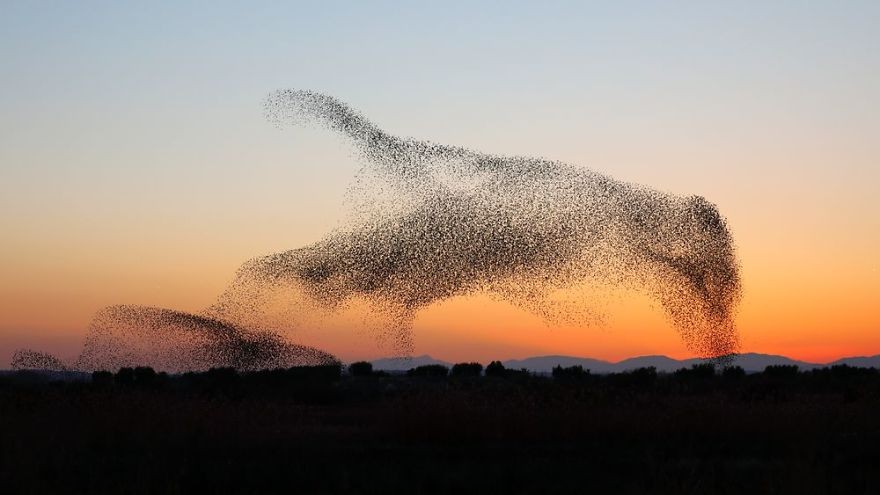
x=805, y=304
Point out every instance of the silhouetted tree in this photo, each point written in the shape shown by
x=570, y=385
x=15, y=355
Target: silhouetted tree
x=496, y=369
x=520, y=374
x=145, y=376
x=467, y=369
x=643, y=378
x=702, y=371
x=733, y=373
x=781, y=371
x=124, y=377
x=323, y=373
x=360, y=368
x=576, y=372
x=140, y=377
x=429, y=370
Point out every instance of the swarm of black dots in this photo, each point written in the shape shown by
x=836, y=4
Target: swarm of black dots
x=174, y=341
x=456, y=221
x=430, y=222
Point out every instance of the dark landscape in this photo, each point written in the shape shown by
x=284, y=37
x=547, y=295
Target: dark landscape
x=438, y=429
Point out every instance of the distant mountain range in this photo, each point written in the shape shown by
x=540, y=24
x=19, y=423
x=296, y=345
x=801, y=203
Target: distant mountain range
x=751, y=362
x=403, y=364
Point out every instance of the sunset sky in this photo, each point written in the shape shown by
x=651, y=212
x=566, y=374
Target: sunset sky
x=136, y=165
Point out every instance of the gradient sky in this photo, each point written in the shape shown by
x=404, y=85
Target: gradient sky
x=136, y=166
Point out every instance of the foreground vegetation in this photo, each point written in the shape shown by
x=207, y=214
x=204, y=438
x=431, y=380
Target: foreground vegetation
x=325, y=429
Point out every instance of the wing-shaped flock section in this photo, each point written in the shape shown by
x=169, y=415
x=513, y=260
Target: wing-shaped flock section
x=433, y=222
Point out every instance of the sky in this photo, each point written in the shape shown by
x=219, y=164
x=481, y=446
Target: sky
x=136, y=165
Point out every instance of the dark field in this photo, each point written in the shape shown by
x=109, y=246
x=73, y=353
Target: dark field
x=316, y=430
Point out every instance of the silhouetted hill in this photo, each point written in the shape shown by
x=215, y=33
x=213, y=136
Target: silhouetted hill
x=751, y=362
x=757, y=362
x=662, y=363
x=404, y=364
x=860, y=361
x=545, y=364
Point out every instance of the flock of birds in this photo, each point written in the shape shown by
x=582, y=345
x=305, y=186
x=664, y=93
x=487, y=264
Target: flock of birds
x=433, y=222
